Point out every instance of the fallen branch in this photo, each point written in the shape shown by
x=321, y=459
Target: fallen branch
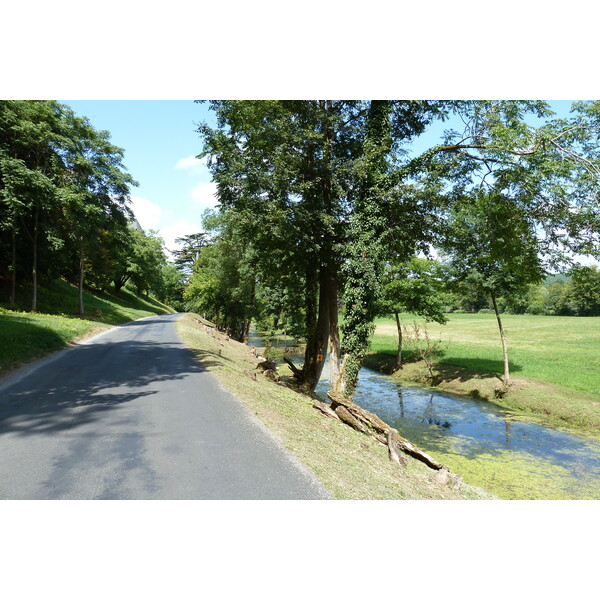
x=298, y=373
x=345, y=415
x=373, y=421
x=325, y=409
x=352, y=413
x=394, y=448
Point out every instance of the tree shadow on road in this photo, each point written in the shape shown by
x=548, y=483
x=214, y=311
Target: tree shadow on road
x=82, y=384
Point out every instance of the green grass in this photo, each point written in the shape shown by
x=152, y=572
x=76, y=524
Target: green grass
x=555, y=365
x=60, y=298
x=25, y=337
x=563, y=351
x=28, y=336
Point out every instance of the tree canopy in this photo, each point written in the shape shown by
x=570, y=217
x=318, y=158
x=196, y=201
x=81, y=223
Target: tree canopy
x=64, y=203
x=327, y=193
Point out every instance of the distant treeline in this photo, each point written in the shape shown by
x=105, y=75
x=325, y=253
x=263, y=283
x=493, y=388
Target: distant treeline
x=576, y=293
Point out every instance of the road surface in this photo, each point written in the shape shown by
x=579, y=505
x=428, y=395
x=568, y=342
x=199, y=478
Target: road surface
x=132, y=414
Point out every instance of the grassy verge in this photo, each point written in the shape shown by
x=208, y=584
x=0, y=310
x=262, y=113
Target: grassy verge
x=555, y=365
x=25, y=336
x=349, y=464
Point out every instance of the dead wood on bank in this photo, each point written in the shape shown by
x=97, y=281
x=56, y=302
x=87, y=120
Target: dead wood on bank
x=298, y=373
x=365, y=422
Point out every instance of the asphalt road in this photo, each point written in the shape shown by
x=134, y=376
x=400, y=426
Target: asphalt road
x=131, y=414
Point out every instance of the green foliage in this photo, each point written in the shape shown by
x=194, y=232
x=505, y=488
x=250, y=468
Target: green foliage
x=172, y=287
x=492, y=245
x=416, y=287
x=63, y=198
x=366, y=252
x=323, y=198
x=222, y=283
x=147, y=261
x=558, y=298
x=585, y=292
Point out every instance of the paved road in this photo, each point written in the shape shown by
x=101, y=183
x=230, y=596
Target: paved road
x=131, y=414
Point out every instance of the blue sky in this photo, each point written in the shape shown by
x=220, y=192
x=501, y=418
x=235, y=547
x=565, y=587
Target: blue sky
x=160, y=142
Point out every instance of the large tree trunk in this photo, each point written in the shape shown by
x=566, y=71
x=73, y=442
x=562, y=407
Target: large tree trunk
x=366, y=422
x=399, y=327
x=314, y=358
x=503, y=338
x=326, y=325
x=334, y=335
x=120, y=282
x=366, y=255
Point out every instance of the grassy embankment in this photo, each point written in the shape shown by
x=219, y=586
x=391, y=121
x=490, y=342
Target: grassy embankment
x=350, y=465
x=28, y=336
x=554, y=362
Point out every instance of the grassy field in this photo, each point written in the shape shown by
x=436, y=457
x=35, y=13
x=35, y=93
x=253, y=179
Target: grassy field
x=350, y=465
x=561, y=350
x=28, y=336
x=554, y=361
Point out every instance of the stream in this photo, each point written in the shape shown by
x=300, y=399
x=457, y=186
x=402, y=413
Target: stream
x=488, y=447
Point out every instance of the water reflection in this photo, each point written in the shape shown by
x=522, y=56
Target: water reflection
x=507, y=423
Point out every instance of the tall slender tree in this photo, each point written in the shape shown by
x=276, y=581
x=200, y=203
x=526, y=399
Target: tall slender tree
x=414, y=286
x=493, y=248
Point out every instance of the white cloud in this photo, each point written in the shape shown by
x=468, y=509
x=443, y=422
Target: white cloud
x=192, y=164
x=180, y=228
x=204, y=194
x=146, y=212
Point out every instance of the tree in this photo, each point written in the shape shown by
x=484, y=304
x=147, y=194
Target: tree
x=492, y=248
x=558, y=299
x=61, y=184
x=585, y=291
x=549, y=171
x=172, y=287
x=188, y=254
x=316, y=187
x=222, y=286
x=147, y=261
x=414, y=287
x=532, y=191
x=29, y=167
x=307, y=176
x=95, y=191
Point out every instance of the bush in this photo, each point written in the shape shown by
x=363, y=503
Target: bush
x=536, y=308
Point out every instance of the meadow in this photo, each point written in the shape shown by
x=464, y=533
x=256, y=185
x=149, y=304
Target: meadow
x=564, y=351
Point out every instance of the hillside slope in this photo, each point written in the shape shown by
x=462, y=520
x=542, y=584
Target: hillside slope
x=28, y=336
